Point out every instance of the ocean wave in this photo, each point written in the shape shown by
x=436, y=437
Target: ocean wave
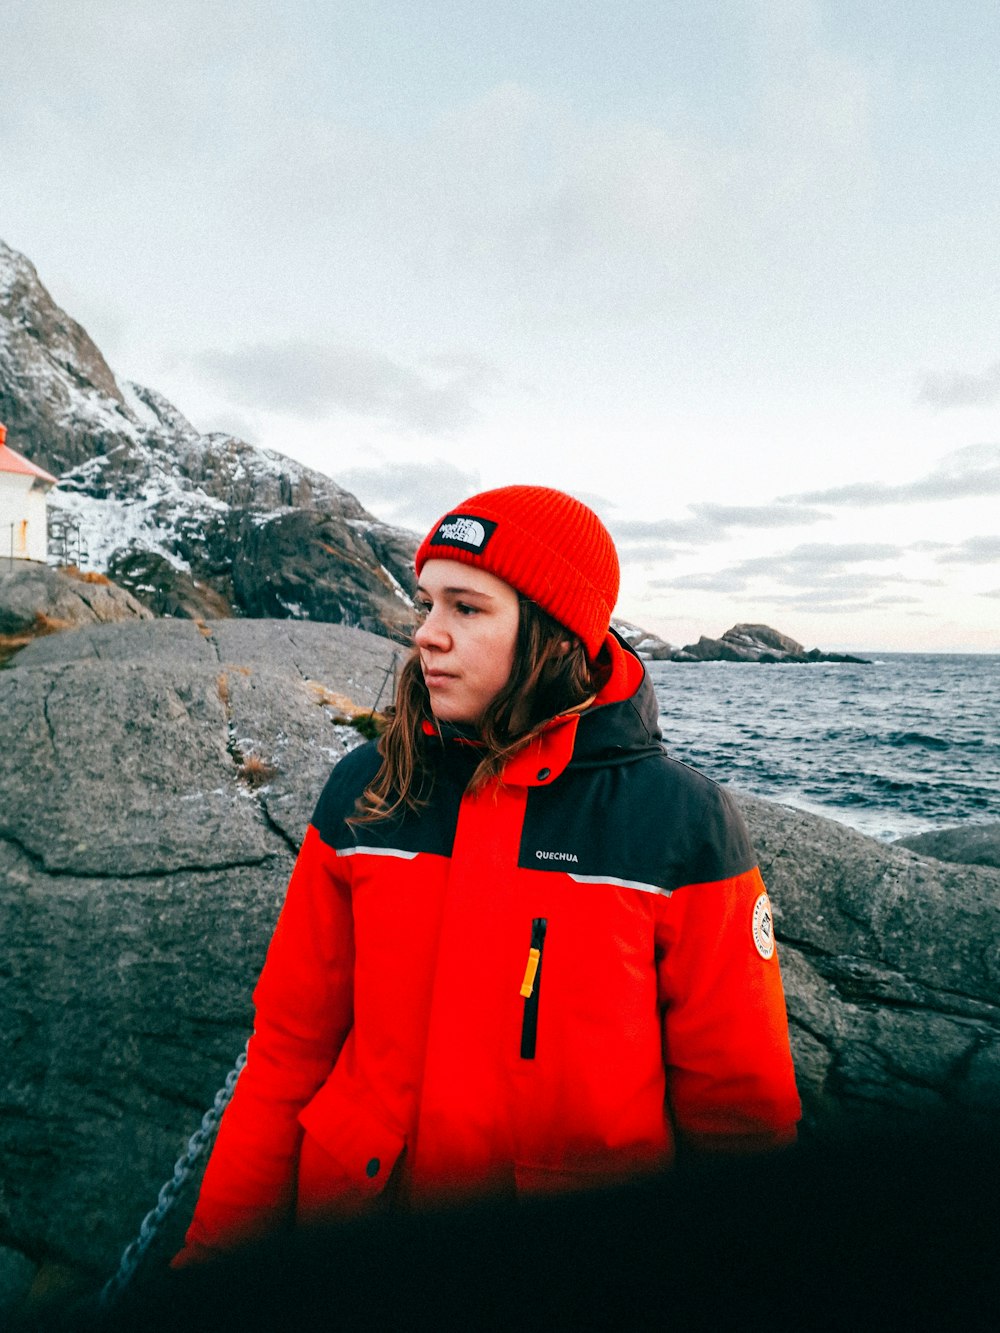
x=918, y=738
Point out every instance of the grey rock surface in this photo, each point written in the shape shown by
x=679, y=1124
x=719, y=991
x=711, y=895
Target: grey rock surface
x=765, y=636
x=892, y=972
x=968, y=844
x=30, y=590
x=155, y=782
x=143, y=862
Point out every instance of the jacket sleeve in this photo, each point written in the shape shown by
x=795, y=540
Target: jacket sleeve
x=730, y=1079
x=304, y=1011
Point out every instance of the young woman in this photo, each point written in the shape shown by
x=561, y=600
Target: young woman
x=522, y=949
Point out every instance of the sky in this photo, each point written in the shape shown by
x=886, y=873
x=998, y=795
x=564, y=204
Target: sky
x=729, y=272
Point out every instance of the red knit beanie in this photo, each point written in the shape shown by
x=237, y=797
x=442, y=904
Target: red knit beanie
x=551, y=548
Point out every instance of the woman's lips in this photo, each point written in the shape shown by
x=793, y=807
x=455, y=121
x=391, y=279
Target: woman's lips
x=437, y=677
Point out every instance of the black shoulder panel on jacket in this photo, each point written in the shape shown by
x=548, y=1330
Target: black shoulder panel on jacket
x=655, y=822
x=350, y=776
x=432, y=830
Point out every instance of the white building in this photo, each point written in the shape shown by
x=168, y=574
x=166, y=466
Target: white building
x=23, y=488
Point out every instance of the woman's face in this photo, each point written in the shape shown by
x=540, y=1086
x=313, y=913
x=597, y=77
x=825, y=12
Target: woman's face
x=466, y=639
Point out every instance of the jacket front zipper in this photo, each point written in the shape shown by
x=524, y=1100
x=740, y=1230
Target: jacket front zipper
x=531, y=986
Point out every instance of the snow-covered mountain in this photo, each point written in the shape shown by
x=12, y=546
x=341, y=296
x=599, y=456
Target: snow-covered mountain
x=192, y=524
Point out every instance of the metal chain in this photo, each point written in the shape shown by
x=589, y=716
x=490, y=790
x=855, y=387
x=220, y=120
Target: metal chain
x=201, y=1139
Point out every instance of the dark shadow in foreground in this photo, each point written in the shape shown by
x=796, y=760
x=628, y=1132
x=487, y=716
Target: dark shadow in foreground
x=880, y=1234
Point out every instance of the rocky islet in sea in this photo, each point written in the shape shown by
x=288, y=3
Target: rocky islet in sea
x=741, y=643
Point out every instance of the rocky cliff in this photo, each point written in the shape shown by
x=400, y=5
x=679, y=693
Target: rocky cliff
x=191, y=524
x=155, y=781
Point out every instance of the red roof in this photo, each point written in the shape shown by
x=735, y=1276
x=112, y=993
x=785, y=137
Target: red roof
x=11, y=461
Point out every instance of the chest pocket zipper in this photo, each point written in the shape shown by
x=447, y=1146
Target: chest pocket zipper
x=531, y=987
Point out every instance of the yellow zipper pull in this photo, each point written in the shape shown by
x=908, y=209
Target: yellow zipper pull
x=528, y=984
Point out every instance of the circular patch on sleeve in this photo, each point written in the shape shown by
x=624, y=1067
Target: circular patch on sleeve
x=763, y=926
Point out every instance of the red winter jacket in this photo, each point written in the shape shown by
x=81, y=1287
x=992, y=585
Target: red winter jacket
x=542, y=985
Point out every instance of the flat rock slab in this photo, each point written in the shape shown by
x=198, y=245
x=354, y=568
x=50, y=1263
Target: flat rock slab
x=891, y=964
x=143, y=862
x=125, y=1000
x=352, y=658
x=968, y=844
x=127, y=746
x=170, y=641
x=129, y=770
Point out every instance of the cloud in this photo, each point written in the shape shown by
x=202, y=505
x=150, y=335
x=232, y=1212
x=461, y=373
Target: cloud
x=722, y=580
x=509, y=197
x=832, y=555
x=738, y=578
x=232, y=422
x=819, y=563
x=629, y=531
x=973, y=551
x=515, y=196
x=626, y=187
x=411, y=493
x=813, y=571
x=960, y=390
x=778, y=515
x=311, y=379
x=708, y=522
x=994, y=592
x=970, y=472
x=845, y=592
x=648, y=553
x=830, y=601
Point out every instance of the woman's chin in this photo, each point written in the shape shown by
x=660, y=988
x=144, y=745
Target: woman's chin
x=458, y=717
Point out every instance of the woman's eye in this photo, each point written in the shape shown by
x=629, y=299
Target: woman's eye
x=464, y=609
x=423, y=608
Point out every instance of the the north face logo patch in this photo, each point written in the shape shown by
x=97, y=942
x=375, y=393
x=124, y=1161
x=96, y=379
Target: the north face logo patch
x=464, y=530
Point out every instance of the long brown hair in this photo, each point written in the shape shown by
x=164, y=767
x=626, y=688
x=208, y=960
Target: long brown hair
x=551, y=674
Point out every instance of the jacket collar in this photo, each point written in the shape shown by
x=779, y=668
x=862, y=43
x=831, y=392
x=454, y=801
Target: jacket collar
x=619, y=727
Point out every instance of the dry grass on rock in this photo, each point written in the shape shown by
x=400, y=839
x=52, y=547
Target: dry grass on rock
x=255, y=771
x=84, y=575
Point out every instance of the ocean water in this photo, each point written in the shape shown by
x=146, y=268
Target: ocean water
x=907, y=744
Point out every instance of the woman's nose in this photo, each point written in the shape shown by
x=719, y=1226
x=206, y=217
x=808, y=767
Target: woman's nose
x=430, y=633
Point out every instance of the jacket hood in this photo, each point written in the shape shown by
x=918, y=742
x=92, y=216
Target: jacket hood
x=623, y=722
